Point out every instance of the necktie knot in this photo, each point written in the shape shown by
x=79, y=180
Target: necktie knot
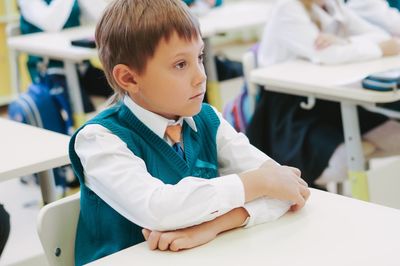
x=174, y=133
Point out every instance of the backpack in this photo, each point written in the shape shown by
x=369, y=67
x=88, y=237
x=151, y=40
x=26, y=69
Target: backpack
x=239, y=111
x=45, y=104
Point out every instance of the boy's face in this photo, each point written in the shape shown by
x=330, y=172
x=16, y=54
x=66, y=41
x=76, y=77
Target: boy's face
x=174, y=81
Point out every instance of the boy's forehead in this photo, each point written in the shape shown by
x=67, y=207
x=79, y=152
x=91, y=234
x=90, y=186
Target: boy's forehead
x=177, y=43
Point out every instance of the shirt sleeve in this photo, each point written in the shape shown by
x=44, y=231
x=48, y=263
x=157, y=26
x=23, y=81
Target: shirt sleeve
x=48, y=17
x=379, y=13
x=237, y=155
x=298, y=33
x=121, y=179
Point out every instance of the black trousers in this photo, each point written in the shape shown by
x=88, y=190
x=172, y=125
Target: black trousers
x=4, y=227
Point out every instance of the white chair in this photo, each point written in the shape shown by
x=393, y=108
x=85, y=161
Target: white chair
x=56, y=227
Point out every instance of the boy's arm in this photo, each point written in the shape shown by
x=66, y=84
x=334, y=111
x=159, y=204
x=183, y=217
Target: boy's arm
x=237, y=155
x=195, y=235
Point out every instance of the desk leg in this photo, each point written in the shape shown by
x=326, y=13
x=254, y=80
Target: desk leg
x=74, y=93
x=355, y=155
x=47, y=186
x=14, y=59
x=213, y=90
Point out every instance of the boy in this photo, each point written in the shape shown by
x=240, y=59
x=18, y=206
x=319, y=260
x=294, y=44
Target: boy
x=159, y=159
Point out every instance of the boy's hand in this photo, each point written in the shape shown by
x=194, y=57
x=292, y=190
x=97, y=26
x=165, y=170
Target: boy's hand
x=179, y=239
x=285, y=183
x=196, y=235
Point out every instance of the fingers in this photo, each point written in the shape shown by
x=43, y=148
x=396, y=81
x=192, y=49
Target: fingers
x=295, y=170
x=178, y=244
x=153, y=239
x=305, y=193
x=302, y=182
x=165, y=240
x=162, y=241
x=146, y=233
x=300, y=201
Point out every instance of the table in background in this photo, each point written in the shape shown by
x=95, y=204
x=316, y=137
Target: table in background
x=340, y=83
x=26, y=150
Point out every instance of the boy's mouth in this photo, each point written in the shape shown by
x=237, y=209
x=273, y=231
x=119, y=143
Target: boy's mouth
x=197, y=95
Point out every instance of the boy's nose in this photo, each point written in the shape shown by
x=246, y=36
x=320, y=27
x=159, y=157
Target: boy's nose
x=200, y=76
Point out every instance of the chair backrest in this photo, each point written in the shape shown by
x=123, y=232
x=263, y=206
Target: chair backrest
x=56, y=227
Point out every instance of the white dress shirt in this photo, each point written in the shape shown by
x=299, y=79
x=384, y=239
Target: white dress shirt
x=121, y=179
x=52, y=17
x=290, y=34
x=379, y=13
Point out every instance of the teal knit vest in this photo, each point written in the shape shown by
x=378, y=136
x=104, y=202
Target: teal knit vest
x=101, y=230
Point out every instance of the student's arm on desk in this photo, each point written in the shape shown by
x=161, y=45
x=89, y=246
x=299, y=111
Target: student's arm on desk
x=196, y=235
x=300, y=36
x=285, y=184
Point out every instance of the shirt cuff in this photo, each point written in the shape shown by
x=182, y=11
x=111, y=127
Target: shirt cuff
x=264, y=210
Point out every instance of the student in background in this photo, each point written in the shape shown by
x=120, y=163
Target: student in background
x=4, y=227
x=158, y=158
x=323, y=32
x=210, y=3
x=379, y=13
x=53, y=16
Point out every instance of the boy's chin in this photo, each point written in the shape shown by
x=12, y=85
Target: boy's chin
x=194, y=111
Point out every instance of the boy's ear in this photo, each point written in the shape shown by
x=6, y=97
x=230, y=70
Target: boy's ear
x=126, y=78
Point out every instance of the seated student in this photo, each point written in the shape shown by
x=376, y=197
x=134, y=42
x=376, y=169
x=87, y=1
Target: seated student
x=4, y=227
x=158, y=158
x=324, y=32
x=378, y=12
x=54, y=15
x=210, y=3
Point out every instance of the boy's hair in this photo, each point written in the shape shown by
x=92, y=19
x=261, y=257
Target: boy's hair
x=130, y=30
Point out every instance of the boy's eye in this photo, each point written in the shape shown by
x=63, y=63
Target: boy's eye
x=181, y=65
x=201, y=57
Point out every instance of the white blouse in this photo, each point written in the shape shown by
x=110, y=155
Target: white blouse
x=53, y=16
x=290, y=34
x=379, y=13
x=121, y=179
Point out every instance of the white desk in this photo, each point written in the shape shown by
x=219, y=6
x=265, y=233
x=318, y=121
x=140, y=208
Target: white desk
x=58, y=46
x=329, y=82
x=27, y=150
x=331, y=230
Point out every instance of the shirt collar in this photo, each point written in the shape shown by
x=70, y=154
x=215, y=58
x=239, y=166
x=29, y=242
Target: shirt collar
x=155, y=122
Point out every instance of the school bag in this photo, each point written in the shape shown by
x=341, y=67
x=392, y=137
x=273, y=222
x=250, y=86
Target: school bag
x=239, y=111
x=45, y=104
